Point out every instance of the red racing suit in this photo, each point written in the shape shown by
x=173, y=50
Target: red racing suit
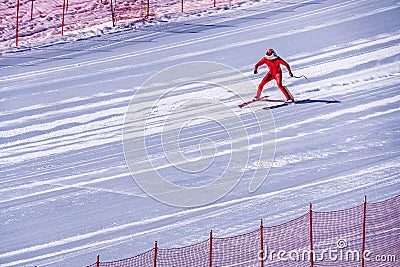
x=275, y=72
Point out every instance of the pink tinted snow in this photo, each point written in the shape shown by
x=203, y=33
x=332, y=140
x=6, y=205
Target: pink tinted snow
x=92, y=16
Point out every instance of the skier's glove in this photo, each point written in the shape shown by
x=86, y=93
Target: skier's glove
x=290, y=74
x=255, y=71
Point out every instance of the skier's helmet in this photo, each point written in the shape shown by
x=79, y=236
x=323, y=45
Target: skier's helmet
x=270, y=54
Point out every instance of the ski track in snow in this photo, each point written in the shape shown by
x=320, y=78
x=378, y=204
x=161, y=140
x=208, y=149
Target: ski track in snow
x=65, y=192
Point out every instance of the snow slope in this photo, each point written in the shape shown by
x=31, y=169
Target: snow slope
x=66, y=194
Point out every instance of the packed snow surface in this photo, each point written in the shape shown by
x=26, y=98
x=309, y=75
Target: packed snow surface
x=66, y=193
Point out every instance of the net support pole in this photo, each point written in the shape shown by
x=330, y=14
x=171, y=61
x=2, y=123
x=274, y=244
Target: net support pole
x=311, y=239
x=155, y=254
x=16, y=26
x=32, y=10
x=182, y=6
x=363, y=232
x=211, y=245
x=62, y=23
x=112, y=13
x=261, y=244
x=215, y=3
x=98, y=261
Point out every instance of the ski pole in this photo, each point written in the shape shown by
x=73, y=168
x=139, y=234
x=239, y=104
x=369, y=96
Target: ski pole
x=298, y=77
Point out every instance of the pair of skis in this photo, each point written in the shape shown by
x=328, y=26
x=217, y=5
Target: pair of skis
x=279, y=104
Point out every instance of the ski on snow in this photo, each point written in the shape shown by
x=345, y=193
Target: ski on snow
x=286, y=104
x=251, y=101
x=280, y=104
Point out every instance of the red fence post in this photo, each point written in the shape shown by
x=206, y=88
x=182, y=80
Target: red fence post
x=155, y=254
x=211, y=238
x=262, y=244
x=363, y=232
x=311, y=239
x=182, y=6
x=112, y=13
x=32, y=10
x=148, y=9
x=215, y=3
x=62, y=24
x=16, y=27
x=98, y=261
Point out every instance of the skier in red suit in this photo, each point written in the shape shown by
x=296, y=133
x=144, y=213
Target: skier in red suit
x=273, y=61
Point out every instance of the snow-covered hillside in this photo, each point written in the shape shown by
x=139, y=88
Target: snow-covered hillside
x=66, y=193
x=41, y=21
